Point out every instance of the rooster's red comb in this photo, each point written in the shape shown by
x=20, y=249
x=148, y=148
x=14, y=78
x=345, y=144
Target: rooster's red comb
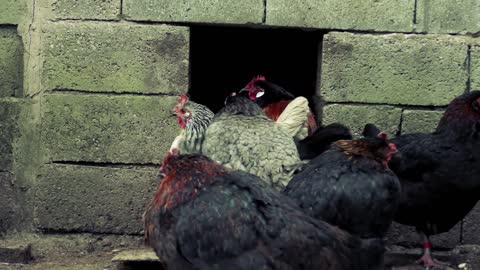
x=251, y=84
x=183, y=98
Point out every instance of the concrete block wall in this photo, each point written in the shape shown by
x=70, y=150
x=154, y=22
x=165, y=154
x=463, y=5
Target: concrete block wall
x=98, y=80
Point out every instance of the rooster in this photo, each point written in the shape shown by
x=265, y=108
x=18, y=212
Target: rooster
x=350, y=186
x=193, y=119
x=205, y=216
x=273, y=99
x=241, y=137
x=440, y=172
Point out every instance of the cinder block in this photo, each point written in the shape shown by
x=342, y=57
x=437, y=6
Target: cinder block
x=11, y=62
x=207, y=11
x=115, y=57
x=420, y=121
x=9, y=131
x=7, y=200
x=471, y=227
x=447, y=16
x=387, y=118
x=93, y=199
x=86, y=9
x=348, y=15
x=393, y=68
x=475, y=67
x=407, y=236
x=102, y=128
x=12, y=11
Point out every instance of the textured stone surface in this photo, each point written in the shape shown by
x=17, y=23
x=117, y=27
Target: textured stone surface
x=420, y=121
x=11, y=11
x=378, y=15
x=448, y=16
x=471, y=227
x=9, y=131
x=101, y=128
x=93, y=199
x=115, y=57
x=7, y=201
x=393, y=68
x=11, y=65
x=91, y=9
x=211, y=11
x=387, y=118
x=475, y=67
x=407, y=236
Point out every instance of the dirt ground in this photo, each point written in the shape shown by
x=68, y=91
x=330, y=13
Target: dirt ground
x=92, y=252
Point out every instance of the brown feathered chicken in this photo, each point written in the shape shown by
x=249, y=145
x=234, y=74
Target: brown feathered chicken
x=240, y=137
x=205, y=216
x=273, y=99
x=439, y=172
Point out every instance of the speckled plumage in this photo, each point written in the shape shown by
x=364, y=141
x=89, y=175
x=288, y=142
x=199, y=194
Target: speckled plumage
x=206, y=217
x=355, y=192
x=241, y=137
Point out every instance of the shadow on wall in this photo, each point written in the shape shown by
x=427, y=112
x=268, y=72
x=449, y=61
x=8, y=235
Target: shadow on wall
x=225, y=59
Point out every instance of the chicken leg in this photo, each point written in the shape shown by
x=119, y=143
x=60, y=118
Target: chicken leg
x=427, y=259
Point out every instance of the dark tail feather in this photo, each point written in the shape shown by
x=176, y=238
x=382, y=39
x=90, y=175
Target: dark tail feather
x=372, y=253
x=370, y=130
x=321, y=139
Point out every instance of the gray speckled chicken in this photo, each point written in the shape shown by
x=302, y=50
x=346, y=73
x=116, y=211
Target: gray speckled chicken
x=242, y=137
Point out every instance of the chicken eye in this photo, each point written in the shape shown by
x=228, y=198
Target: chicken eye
x=259, y=94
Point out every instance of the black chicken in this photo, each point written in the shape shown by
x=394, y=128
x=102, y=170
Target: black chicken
x=204, y=216
x=350, y=186
x=440, y=172
x=321, y=139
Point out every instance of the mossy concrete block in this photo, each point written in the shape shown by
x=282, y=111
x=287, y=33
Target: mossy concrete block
x=206, y=11
x=407, y=236
x=90, y=9
x=387, y=118
x=93, y=199
x=107, y=129
x=378, y=15
x=11, y=63
x=471, y=227
x=448, y=16
x=10, y=110
x=12, y=11
x=7, y=201
x=475, y=67
x=420, y=121
x=393, y=68
x=115, y=57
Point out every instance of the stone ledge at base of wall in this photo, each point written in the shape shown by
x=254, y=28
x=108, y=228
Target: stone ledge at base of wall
x=11, y=62
x=206, y=11
x=427, y=70
x=346, y=15
x=107, y=129
x=115, y=57
x=355, y=117
x=423, y=121
x=93, y=199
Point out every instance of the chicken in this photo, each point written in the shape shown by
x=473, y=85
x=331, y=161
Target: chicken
x=205, y=216
x=193, y=119
x=294, y=118
x=241, y=137
x=273, y=99
x=440, y=172
x=350, y=186
x=321, y=139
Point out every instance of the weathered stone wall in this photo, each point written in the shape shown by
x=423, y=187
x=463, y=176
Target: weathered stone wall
x=86, y=90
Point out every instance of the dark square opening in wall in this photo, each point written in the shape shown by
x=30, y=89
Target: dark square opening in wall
x=225, y=59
